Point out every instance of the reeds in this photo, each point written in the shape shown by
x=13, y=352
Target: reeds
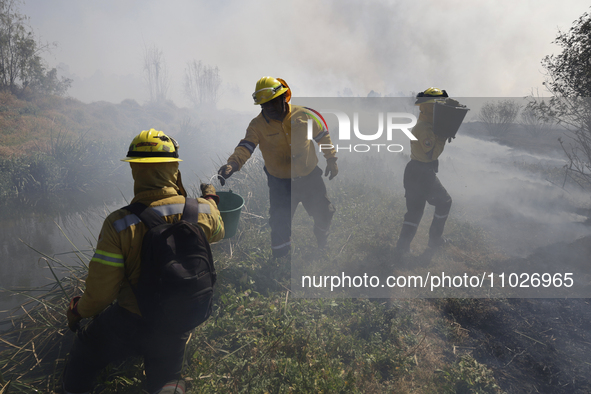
x=62, y=163
x=36, y=345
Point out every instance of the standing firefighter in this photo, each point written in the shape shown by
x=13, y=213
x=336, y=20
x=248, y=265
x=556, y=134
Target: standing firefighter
x=280, y=131
x=421, y=184
x=120, y=281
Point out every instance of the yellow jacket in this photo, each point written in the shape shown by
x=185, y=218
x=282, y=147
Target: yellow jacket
x=428, y=146
x=120, y=241
x=286, y=149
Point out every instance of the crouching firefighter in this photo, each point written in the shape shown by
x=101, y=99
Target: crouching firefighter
x=291, y=164
x=150, y=281
x=421, y=184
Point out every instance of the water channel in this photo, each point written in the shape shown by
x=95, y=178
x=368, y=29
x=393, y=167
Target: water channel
x=56, y=225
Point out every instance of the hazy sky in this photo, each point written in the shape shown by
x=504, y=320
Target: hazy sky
x=471, y=48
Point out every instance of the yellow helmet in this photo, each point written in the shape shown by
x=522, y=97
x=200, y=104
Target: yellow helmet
x=268, y=88
x=430, y=95
x=152, y=146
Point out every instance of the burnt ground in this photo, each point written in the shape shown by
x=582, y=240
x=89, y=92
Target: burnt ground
x=533, y=345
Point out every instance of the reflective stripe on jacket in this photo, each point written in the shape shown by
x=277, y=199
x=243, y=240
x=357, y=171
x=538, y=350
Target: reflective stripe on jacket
x=286, y=149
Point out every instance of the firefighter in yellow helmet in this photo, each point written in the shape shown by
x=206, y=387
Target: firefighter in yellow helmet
x=421, y=184
x=117, y=331
x=280, y=131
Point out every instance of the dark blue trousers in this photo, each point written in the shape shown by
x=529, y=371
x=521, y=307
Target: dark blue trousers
x=422, y=186
x=285, y=196
x=114, y=335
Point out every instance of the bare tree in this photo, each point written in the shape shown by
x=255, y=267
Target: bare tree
x=535, y=124
x=156, y=74
x=202, y=84
x=347, y=92
x=498, y=117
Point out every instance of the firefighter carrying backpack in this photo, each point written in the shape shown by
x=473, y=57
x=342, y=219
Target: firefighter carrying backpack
x=177, y=276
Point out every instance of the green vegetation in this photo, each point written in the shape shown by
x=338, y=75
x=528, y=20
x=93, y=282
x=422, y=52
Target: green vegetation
x=258, y=344
x=53, y=144
x=66, y=164
x=261, y=338
x=468, y=376
x=568, y=80
x=23, y=71
x=45, y=148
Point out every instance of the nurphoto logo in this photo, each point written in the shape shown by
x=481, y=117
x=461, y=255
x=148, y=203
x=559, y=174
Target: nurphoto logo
x=344, y=130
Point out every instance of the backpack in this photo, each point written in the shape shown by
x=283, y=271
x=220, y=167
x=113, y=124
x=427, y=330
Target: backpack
x=177, y=276
x=447, y=118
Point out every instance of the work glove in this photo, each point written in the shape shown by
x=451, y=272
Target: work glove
x=226, y=171
x=72, y=314
x=331, y=168
x=208, y=191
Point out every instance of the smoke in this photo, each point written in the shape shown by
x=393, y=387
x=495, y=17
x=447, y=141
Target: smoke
x=321, y=48
x=511, y=194
x=513, y=190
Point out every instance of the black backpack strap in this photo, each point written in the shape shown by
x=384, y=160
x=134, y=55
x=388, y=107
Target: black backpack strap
x=191, y=210
x=147, y=215
x=150, y=218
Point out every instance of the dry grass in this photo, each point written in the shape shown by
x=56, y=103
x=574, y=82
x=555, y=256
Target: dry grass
x=36, y=345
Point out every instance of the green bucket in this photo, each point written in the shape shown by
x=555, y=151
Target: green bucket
x=230, y=207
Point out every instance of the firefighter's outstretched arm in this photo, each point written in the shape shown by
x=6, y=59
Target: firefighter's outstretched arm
x=240, y=156
x=226, y=171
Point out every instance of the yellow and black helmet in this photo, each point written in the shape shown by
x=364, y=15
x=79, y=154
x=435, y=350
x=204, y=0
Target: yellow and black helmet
x=267, y=88
x=152, y=146
x=430, y=95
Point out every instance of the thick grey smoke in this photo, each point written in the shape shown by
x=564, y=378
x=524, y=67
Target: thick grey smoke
x=521, y=209
x=513, y=189
x=485, y=48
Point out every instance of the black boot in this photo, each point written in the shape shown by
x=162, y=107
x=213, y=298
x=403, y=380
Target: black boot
x=321, y=237
x=436, y=230
x=440, y=242
x=407, y=233
x=281, y=250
